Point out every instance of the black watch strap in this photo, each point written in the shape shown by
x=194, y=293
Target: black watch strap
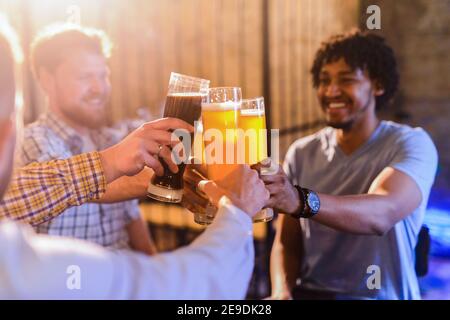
x=304, y=211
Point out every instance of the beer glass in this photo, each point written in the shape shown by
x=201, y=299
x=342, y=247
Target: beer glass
x=220, y=114
x=183, y=101
x=252, y=140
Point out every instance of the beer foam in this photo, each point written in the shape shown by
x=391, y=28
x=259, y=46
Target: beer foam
x=222, y=106
x=252, y=113
x=187, y=94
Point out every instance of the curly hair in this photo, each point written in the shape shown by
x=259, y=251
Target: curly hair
x=52, y=44
x=365, y=51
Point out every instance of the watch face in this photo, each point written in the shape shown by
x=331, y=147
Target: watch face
x=313, y=202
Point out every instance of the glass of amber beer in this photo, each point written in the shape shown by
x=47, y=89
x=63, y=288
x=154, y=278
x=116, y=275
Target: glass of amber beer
x=220, y=114
x=183, y=101
x=252, y=141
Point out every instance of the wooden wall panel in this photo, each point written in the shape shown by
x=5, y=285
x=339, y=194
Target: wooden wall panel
x=296, y=28
x=221, y=40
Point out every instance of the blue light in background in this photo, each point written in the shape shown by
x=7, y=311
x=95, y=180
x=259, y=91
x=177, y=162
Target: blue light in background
x=437, y=218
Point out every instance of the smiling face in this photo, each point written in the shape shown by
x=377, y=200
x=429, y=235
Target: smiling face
x=80, y=88
x=346, y=96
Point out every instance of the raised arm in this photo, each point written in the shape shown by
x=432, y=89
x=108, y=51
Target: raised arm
x=41, y=191
x=393, y=195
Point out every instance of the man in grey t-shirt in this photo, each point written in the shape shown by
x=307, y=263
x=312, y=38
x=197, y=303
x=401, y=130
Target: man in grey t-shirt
x=355, y=192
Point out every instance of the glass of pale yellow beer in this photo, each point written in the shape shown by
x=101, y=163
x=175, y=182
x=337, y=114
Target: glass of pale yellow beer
x=252, y=141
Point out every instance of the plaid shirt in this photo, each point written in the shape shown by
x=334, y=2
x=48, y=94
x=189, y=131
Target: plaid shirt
x=41, y=191
x=105, y=224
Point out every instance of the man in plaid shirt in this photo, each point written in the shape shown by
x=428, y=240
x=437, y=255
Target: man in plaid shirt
x=70, y=64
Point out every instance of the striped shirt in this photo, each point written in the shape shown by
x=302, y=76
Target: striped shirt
x=105, y=224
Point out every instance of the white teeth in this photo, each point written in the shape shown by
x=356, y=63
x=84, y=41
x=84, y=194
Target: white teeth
x=336, y=105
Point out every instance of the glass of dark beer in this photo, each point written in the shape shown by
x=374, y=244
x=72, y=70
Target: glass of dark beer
x=183, y=101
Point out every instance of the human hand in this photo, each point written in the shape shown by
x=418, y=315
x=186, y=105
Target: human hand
x=143, y=147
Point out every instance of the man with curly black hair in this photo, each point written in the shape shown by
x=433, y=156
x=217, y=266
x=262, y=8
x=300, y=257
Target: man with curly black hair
x=354, y=194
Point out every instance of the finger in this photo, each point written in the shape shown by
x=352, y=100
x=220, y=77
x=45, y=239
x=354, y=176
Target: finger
x=171, y=124
x=166, y=155
x=266, y=192
x=273, y=188
x=275, y=178
x=272, y=169
x=153, y=163
x=192, y=176
x=271, y=203
x=163, y=152
x=193, y=198
x=256, y=167
x=212, y=190
x=266, y=163
x=159, y=136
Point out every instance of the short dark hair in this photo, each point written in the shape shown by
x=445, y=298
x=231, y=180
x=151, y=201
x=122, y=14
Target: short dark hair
x=363, y=50
x=53, y=43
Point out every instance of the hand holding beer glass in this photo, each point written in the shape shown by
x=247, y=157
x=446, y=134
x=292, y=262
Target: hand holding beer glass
x=225, y=148
x=183, y=101
x=220, y=112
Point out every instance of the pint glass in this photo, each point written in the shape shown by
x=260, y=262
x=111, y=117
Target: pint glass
x=183, y=101
x=252, y=140
x=220, y=113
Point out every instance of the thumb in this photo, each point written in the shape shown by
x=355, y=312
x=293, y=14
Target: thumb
x=212, y=190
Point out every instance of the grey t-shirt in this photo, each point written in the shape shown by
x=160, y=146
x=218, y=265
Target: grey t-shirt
x=337, y=261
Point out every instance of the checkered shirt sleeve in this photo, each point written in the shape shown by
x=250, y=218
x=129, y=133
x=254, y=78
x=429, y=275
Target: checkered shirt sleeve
x=41, y=191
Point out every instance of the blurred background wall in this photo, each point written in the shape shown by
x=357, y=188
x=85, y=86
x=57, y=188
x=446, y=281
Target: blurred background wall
x=419, y=32
x=263, y=46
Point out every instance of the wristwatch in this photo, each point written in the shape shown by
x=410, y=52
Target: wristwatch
x=309, y=203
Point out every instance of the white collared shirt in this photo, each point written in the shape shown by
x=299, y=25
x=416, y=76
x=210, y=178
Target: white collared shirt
x=217, y=265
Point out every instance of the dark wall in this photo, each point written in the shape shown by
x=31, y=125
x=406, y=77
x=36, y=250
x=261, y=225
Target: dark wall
x=419, y=32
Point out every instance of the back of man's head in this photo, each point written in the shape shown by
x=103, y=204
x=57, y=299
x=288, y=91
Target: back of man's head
x=55, y=42
x=365, y=51
x=7, y=83
x=9, y=53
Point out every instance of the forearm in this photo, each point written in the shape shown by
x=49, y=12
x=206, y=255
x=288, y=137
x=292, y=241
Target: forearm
x=284, y=269
x=285, y=258
x=127, y=188
x=140, y=239
x=367, y=214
